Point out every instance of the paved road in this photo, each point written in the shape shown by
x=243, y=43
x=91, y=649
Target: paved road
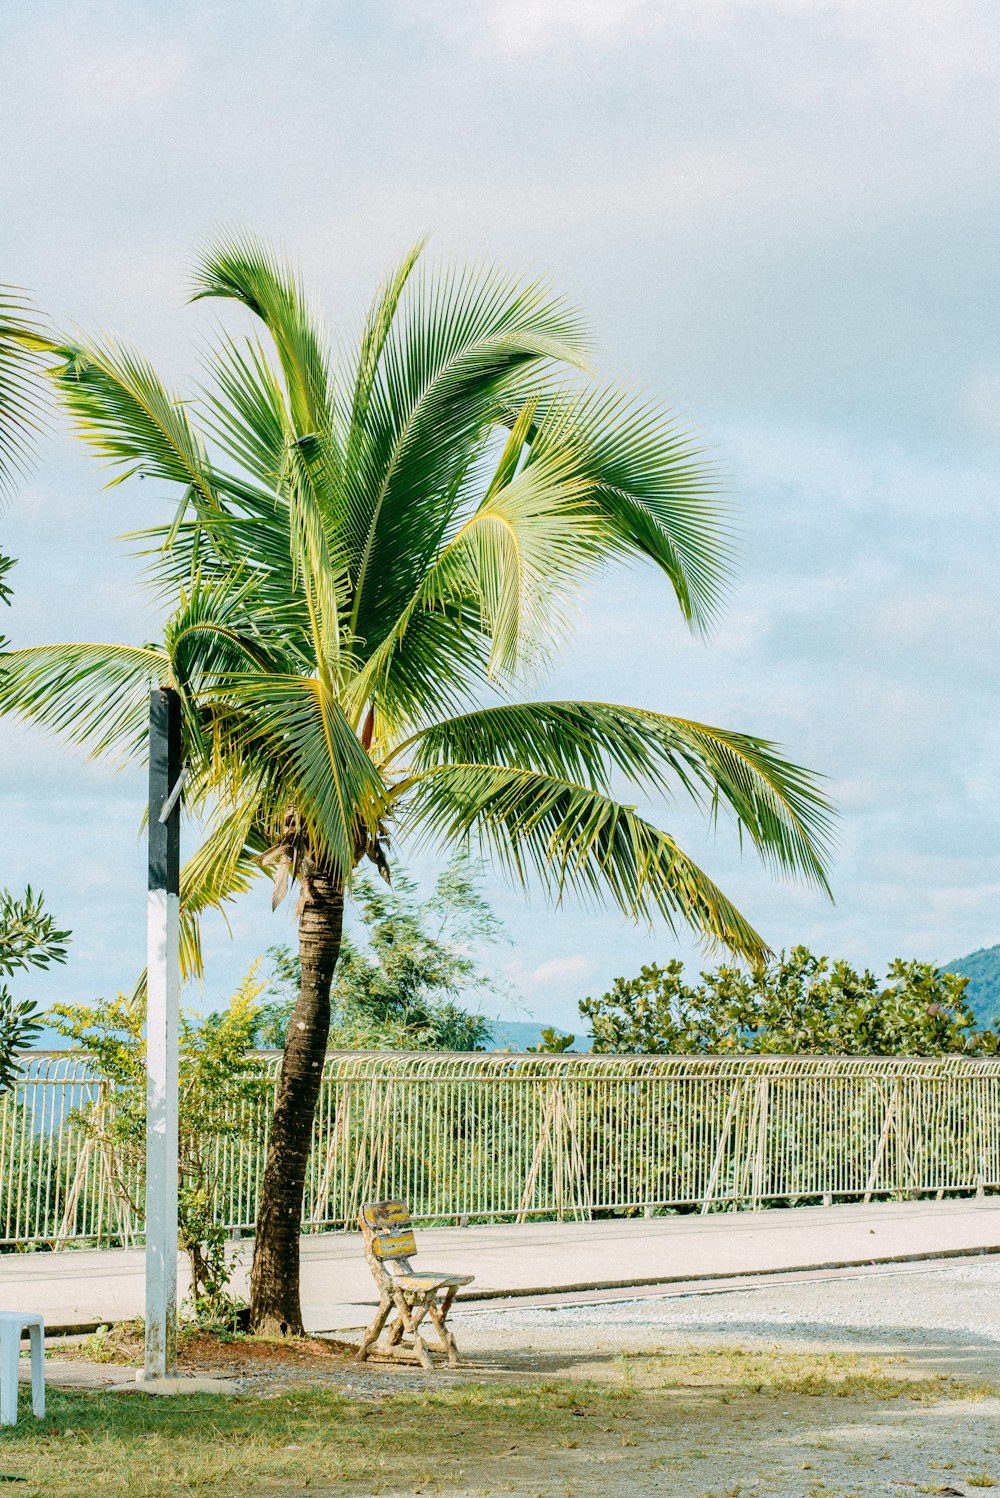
x=78, y=1288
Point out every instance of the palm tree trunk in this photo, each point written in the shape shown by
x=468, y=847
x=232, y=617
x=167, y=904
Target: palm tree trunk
x=275, y=1308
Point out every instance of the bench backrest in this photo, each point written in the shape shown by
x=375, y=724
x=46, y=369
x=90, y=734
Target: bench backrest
x=388, y=1231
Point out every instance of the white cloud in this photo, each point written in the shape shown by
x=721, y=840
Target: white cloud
x=559, y=970
x=914, y=44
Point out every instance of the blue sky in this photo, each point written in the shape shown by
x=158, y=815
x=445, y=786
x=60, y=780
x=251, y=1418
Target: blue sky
x=781, y=215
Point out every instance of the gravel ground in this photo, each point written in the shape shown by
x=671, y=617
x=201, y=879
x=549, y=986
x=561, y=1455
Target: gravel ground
x=918, y=1307
x=938, y=1320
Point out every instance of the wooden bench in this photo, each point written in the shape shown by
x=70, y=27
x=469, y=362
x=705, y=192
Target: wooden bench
x=389, y=1243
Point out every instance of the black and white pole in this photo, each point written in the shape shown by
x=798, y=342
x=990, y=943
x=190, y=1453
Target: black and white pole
x=163, y=992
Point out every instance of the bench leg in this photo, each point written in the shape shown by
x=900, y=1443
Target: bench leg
x=422, y=1350
x=10, y=1351
x=410, y=1314
x=37, y=1336
x=372, y=1334
x=439, y=1316
x=426, y=1361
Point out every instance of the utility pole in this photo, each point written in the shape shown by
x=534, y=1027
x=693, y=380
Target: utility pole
x=163, y=993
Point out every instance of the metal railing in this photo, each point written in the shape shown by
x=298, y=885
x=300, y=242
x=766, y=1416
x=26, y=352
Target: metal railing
x=504, y=1137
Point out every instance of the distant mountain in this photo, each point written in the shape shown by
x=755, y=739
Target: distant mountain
x=518, y=1035
x=508, y=1035
x=982, y=969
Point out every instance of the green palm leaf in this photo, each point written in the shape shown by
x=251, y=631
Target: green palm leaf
x=776, y=803
x=461, y=347
x=507, y=574
x=21, y=386
x=223, y=867
x=296, y=723
x=652, y=485
x=121, y=408
x=573, y=840
x=93, y=696
x=244, y=269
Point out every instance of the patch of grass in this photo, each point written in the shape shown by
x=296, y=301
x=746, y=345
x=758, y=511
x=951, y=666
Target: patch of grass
x=740, y=1371
x=135, y=1446
x=312, y=1436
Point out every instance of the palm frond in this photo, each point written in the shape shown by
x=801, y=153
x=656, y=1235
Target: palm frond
x=223, y=867
x=93, y=696
x=121, y=409
x=247, y=412
x=316, y=568
x=297, y=725
x=460, y=343
x=659, y=495
x=516, y=561
x=243, y=268
x=573, y=840
x=776, y=804
x=378, y=327
x=21, y=385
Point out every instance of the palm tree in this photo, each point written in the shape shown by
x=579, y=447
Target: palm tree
x=369, y=553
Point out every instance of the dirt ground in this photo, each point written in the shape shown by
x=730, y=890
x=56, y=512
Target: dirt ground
x=718, y=1415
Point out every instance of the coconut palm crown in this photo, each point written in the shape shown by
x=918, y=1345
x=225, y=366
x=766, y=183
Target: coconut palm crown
x=369, y=554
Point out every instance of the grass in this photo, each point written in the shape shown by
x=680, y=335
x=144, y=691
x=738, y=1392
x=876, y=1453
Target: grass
x=128, y=1445
x=736, y=1372
x=315, y=1438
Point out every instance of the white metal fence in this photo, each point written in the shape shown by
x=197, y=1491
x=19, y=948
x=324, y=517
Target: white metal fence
x=504, y=1137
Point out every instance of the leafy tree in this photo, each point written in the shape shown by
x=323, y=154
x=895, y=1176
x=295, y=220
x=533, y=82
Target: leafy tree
x=29, y=938
x=797, y=1004
x=400, y=986
x=982, y=968
x=222, y=1089
x=369, y=556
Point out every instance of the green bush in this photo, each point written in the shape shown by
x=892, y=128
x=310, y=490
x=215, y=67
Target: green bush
x=28, y=939
x=223, y=1091
x=798, y=1004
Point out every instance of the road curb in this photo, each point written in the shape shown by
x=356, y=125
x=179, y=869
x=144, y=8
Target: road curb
x=726, y=1274
x=721, y=1277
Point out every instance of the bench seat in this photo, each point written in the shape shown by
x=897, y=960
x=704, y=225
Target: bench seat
x=428, y=1280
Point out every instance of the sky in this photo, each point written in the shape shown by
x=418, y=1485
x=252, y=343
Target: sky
x=781, y=216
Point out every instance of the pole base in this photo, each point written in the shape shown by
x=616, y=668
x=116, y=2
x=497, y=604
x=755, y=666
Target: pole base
x=177, y=1384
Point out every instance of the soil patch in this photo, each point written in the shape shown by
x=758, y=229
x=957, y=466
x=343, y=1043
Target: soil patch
x=202, y=1351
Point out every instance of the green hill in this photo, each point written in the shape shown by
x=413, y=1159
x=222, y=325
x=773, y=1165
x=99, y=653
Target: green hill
x=982, y=969
x=518, y=1035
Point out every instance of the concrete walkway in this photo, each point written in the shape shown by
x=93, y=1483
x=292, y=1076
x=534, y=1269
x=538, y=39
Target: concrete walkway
x=84, y=1288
